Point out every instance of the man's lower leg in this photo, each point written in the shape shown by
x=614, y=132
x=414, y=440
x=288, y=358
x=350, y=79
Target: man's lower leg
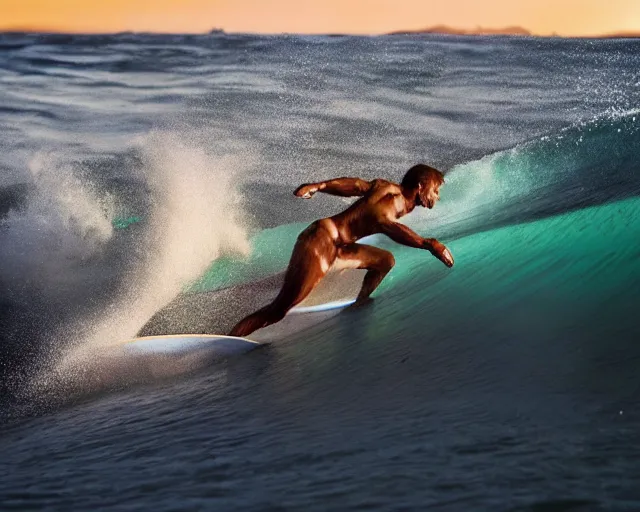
x=261, y=318
x=371, y=281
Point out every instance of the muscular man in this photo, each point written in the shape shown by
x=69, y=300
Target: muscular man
x=331, y=241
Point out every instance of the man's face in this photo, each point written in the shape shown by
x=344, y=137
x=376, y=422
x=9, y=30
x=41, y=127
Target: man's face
x=429, y=194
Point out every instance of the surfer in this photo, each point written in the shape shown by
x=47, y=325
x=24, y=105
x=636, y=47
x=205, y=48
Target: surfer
x=330, y=242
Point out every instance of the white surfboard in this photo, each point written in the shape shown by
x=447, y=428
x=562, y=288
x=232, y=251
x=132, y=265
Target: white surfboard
x=180, y=344
x=152, y=357
x=219, y=345
x=320, y=308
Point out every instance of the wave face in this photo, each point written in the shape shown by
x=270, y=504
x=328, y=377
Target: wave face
x=146, y=187
x=581, y=166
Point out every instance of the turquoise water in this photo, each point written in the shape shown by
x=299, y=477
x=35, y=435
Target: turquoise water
x=560, y=269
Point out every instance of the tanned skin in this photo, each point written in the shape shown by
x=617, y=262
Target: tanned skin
x=330, y=242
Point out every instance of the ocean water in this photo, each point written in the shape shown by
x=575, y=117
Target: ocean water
x=146, y=187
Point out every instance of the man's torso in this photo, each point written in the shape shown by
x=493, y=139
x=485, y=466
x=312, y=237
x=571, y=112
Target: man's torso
x=384, y=202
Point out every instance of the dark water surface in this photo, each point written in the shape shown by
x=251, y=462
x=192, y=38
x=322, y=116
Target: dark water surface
x=130, y=163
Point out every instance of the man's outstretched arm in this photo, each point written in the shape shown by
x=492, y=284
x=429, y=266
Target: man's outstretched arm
x=345, y=187
x=406, y=236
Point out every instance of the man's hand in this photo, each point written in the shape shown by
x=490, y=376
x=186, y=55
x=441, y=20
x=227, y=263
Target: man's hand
x=439, y=251
x=306, y=191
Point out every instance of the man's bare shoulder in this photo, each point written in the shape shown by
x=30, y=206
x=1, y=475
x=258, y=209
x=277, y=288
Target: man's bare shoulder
x=381, y=187
x=383, y=190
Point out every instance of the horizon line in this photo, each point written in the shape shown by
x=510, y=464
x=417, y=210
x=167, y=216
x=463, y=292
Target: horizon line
x=510, y=31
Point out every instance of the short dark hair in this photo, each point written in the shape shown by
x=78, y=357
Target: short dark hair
x=418, y=173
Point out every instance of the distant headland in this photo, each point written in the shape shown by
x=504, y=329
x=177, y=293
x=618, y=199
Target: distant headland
x=478, y=31
x=505, y=31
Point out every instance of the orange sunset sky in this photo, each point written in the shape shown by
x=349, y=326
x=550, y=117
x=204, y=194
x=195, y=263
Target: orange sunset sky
x=542, y=17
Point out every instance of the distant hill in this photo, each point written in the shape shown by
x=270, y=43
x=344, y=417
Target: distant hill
x=478, y=31
x=506, y=31
x=622, y=35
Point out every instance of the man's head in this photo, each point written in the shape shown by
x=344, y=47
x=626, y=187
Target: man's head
x=423, y=182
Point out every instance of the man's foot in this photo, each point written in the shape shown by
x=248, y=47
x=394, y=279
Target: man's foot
x=361, y=302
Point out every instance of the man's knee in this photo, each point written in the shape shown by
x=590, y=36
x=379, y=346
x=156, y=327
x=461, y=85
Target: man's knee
x=387, y=262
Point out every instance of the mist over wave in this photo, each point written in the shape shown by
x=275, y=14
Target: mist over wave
x=195, y=215
x=192, y=214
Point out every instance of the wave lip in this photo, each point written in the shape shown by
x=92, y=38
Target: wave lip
x=589, y=163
